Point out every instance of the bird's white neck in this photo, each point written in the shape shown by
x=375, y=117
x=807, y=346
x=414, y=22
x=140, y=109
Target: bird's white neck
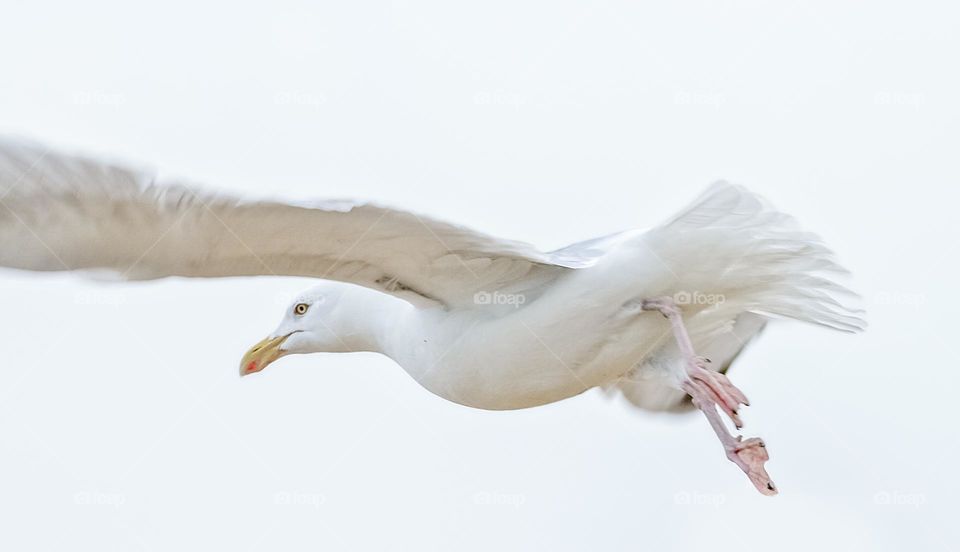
x=370, y=321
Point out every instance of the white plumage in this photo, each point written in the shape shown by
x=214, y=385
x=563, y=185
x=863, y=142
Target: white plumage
x=481, y=321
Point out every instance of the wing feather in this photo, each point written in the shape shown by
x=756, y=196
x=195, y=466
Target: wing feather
x=62, y=212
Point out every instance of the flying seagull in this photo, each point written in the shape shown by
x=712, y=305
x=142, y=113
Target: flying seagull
x=655, y=315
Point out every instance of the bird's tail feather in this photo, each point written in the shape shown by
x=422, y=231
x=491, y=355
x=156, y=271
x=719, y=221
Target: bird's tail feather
x=731, y=243
x=737, y=262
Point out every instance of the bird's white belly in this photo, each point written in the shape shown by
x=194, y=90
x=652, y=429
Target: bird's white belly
x=588, y=330
x=520, y=364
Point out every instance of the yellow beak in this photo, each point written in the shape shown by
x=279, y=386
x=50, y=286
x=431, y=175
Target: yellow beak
x=261, y=354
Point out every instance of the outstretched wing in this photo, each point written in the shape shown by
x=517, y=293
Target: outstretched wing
x=60, y=212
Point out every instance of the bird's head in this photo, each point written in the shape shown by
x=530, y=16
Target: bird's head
x=309, y=325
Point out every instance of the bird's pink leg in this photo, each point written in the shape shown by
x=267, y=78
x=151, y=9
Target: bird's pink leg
x=711, y=389
x=750, y=454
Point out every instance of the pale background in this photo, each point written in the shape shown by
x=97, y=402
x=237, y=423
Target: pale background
x=124, y=426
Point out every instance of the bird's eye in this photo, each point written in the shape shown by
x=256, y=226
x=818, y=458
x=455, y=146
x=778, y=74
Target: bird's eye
x=301, y=308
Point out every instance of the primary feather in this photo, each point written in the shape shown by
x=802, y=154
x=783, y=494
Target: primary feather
x=64, y=212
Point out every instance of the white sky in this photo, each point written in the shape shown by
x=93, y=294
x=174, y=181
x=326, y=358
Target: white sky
x=123, y=424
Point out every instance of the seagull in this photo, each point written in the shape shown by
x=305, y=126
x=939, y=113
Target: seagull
x=655, y=316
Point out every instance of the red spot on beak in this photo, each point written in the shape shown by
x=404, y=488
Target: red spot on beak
x=252, y=366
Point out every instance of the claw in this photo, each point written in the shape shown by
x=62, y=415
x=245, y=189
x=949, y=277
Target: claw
x=751, y=455
x=720, y=389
